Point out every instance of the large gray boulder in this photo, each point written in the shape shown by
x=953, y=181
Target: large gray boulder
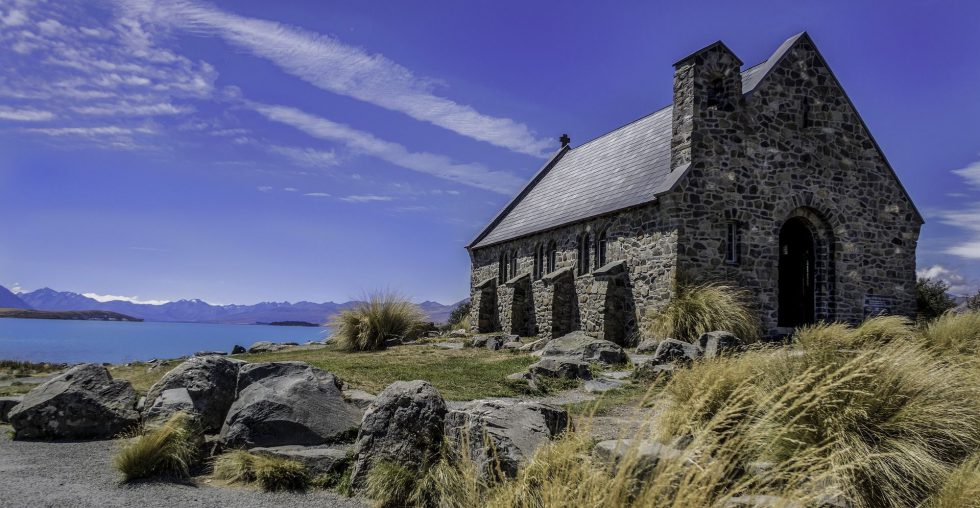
x=324, y=459
x=174, y=400
x=8, y=403
x=498, y=435
x=288, y=403
x=673, y=350
x=404, y=425
x=210, y=382
x=582, y=346
x=647, y=346
x=719, y=343
x=264, y=346
x=82, y=403
x=560, y=367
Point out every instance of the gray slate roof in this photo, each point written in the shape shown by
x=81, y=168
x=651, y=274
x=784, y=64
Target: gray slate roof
x=626, y=167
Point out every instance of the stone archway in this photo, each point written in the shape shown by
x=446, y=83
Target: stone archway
x=797, y=295
x=805, y=269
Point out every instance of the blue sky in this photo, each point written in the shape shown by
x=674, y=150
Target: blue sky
x=309, y=150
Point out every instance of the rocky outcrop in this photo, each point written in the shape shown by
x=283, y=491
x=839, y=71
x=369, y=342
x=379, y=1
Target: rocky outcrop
x=266, y=347
x=586, y=348
x=719, y=343
x=325, y=459
x=6, y=404
x=561, y=367
x=647, y=346
x=169, y=402
x=672, y=350
x=404, y=426
x=84, y=402
x=238, y=350
x=210, y=382
x=498, y=435
x=288, y=403
x=495, y=342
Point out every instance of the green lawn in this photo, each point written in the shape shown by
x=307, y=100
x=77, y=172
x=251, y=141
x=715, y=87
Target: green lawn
x=463, y=374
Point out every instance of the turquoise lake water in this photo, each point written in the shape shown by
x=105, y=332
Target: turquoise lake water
x=63, y=341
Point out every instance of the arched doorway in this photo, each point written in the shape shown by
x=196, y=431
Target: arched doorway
x=797, y=271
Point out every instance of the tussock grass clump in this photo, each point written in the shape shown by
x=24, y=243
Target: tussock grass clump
x=962, y=487
x=272, y=474
x=450, y=482
x=169, y=450
x=701, y=308
x=383, y=316
x=954, y=333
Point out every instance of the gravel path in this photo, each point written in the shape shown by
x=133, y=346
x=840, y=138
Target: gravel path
x=80, y=474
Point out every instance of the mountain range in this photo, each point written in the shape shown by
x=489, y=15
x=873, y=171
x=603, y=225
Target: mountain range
x=198, y=311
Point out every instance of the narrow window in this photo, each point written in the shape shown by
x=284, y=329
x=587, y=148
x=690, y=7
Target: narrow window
x=513, y=265
x=716, y=92
x=806, y=121
x=583, y=254
x=502, y=268
x=536, y=265
x=600, y=250
x=552, y=256
x=732, y=241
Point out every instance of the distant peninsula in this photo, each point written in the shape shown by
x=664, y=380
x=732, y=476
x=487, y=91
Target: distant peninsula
x=289, y=323
x=79, y=315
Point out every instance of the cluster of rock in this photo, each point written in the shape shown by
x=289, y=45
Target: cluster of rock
x=571, y=357
x=293, y=410
x=668, y=354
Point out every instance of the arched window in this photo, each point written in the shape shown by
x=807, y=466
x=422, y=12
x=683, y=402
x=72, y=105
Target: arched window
x=806, y=120
x=583, y=254
x=513, y=265
x=538, y=261
x=715, y=92
x=502, y=268
x=601, y=244
x=733, y=242
x=552, y=255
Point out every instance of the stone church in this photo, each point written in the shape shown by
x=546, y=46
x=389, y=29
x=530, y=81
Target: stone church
x=766, y=177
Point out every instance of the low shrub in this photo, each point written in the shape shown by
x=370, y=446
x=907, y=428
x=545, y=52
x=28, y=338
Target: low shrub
x=169, y=450
x=701, y=308
x=383, y=316
x=272, y=474
x=932, y=298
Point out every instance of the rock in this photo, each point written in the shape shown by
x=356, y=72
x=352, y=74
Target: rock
x=359, y=398
x=324, y=459
x=534, y=346
x=672, y=350
x=449, y=345
x=393, y=342
x=238, y=350
x=559, y=366
x=646, y=453
x=169, y=402
x=647, y=346
x=719, y=343
x=8, y=403
x=288, y=403
x=210, y=353
x=404, y=425
x=584, y=347
x=513, y=346
x=617, y=374
x=84, y=402
x=458, y=334
x=211, y=383
x=495, y=342
x=498, y=435
x=266, y=347
x=480, y=341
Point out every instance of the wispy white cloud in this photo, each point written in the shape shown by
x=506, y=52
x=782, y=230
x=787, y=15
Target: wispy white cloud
x=332, y=65
x=25, y=114
x=365, y=198
x=476, y=175
x=96, y=131
x=265, y=188
x=308, y=157
x=971, y=173
x=130, y=109
x=958, y=283
x=117, y=298
x=290, y=189
x=317, y=194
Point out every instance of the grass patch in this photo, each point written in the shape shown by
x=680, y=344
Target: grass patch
x=272, y=474
x=462, y=374
x=169, y=450
x=367, y=325
x=701, y=308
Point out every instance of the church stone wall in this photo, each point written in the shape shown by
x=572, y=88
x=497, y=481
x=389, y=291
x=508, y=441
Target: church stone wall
x=643, y=237
x=794, y=147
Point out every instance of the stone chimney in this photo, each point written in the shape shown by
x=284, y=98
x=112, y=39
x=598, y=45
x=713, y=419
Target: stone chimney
x=707, y=96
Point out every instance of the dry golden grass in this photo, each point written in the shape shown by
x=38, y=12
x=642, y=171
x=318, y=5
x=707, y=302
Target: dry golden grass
x=383, y=316
x=169, y=450
x=272, y=474
x=701, y=308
